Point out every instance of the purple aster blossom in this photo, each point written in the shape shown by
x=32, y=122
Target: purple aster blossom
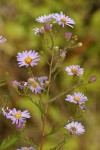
x=74, y=70
x=26, y=148
x=75, y=128
x=2, y=39
x=63, y=20
x=38, y=30
x=27, y=58
x=6, y=112
x=77, y=98
x=36, y=84
x=18, y=117
x=44, y=19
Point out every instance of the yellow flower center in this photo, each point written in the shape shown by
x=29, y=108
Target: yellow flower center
x=73, y=129
x=28, y=60
x=18, y=115
x=76, y=99
x=74, y=71
x=34, y=84
x=63, y=20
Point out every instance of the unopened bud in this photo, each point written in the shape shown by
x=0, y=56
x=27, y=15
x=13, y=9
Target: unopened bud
x=92, y=78
x=79, y=44
x=47, y=83
x=63, y=53
x=68, y=35
x=56, y=48
x=47, y=27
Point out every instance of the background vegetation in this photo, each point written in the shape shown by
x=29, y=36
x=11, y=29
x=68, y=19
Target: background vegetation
x=17, y=20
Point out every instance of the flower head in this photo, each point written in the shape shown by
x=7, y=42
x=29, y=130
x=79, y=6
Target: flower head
x=26, y=148
x=44, y=19
x=63, y=20
x=27, y=58
x=36, y=84
x=18, y=117
x=75, y=128
x=2, y=39
x=74, y=70
x=77, y=98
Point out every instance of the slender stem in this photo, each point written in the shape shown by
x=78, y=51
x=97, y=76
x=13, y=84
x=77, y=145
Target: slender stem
x=46, y=107
x=67, y=91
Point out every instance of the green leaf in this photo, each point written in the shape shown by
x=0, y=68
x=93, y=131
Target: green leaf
x=9, y=141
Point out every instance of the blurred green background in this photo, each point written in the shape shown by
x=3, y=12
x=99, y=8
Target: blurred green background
x=17, y=20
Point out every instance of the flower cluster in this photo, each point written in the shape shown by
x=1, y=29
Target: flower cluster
x=17, y=117
x=48, y=21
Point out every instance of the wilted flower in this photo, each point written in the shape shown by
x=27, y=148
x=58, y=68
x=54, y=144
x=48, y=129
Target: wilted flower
x=6, y=111
x=26, y=148
x=36, y=84
x=20, y=84
x=77, y=98
x=2, y=39
x=15, y=83
x=63, y=20
x=74, y=70
x=27, y=58
x=75, y=128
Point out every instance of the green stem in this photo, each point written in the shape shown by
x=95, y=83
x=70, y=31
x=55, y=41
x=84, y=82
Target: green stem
x=47, y=104
x=67, y=91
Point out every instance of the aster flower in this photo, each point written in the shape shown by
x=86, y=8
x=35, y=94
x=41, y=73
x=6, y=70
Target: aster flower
x=27, y=58
x=37, y=84
x=75, y=128
x=63, y=20
x=26, y=148
x=74, y=70
x=2, y=39
x=44, y=19
x=77, y=98
x=18, y=117
x=38, y=30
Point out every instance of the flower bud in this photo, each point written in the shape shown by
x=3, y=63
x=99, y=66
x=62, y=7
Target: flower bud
x=56, y=48
x=68, y=35
x=79, y=44
x=47, y=83
x=63, y=53
x=47, y=27
x=92, y=78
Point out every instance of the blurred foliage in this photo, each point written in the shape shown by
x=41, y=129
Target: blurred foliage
x=17, y=21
